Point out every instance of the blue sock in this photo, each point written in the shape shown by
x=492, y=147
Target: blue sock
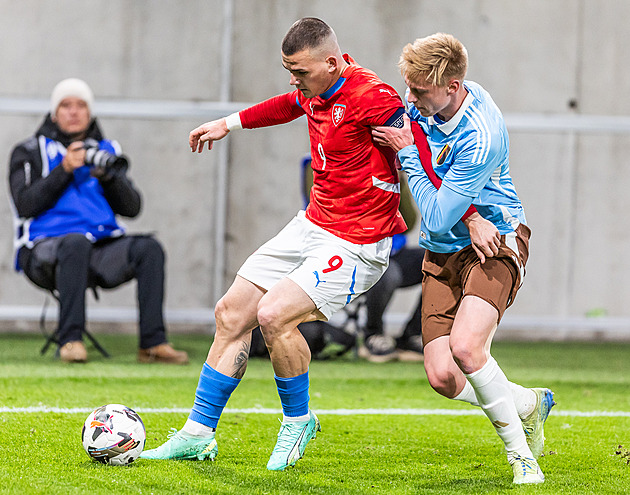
x=293, y=394
x=213, y=391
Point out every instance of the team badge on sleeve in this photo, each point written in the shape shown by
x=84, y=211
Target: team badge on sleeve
x=338, y=112
x=443, y=154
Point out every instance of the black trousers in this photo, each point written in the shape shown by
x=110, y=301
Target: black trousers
x=404, y=270
x=70, y=264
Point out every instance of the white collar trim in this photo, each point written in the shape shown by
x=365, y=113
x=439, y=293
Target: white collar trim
x=450, y=125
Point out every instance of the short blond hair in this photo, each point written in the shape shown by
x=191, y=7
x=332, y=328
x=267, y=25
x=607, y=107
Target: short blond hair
x=438, y=59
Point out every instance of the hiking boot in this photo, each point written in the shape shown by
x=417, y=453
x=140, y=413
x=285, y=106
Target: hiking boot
x=162, y=353
x=73, y=352
x=379, y=349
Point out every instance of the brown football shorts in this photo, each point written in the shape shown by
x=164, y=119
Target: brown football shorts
x=448, y=277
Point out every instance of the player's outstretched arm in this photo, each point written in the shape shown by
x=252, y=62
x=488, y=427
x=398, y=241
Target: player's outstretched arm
x=207, y=133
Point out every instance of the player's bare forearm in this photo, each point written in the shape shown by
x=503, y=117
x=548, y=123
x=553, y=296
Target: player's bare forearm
x=207, y=133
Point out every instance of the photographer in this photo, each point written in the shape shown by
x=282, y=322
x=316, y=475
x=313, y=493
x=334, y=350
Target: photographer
x=68, y=183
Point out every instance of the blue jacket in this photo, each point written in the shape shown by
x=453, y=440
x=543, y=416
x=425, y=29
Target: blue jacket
x=50, y=202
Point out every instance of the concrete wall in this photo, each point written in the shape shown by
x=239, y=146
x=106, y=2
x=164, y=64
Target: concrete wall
x=125, y=50
x=534, y=56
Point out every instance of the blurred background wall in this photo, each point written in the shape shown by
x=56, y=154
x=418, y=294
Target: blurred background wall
x=159, y=68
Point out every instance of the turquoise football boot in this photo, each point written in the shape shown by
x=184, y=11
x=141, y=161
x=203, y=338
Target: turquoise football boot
x=182, y=446
x=292, y=440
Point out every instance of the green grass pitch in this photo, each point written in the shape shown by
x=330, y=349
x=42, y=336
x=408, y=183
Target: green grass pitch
x=427, y=452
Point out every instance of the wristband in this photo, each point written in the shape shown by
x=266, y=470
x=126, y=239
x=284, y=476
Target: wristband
x=233, y=122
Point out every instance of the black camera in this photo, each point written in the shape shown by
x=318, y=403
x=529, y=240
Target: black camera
x=101, y=159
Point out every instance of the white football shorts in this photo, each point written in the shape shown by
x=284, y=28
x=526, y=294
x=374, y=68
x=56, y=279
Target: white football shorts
x=331, y=270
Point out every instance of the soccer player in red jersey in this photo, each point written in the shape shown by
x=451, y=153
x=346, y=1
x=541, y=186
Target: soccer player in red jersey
x=325, y=257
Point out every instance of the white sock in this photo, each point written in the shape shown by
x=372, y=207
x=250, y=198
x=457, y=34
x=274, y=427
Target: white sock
x=494, y=394
x=197, y=429
x=524, y=398
x=296, y=419
x=467, y=395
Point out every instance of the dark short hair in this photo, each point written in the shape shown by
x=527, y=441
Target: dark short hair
x=308, y=32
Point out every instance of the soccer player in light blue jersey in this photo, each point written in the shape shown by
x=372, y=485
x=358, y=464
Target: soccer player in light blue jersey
x=464, y=297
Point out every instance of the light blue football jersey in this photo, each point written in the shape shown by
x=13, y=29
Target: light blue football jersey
x=470, y=153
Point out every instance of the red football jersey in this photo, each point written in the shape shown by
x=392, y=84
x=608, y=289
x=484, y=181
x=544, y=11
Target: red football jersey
x=356, y=192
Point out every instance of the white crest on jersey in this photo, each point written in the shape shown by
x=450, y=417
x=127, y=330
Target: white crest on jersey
x=338, y=112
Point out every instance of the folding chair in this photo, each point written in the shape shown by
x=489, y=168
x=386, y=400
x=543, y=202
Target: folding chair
x=53, y=337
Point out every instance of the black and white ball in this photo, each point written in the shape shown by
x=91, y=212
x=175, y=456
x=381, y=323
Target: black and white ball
x=113, y=434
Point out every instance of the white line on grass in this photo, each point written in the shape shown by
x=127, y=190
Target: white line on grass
x=323, y=412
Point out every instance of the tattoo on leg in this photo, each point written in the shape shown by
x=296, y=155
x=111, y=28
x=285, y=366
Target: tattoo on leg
x=240, y=361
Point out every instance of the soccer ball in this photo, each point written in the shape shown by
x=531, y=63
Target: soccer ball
x=113, y=434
